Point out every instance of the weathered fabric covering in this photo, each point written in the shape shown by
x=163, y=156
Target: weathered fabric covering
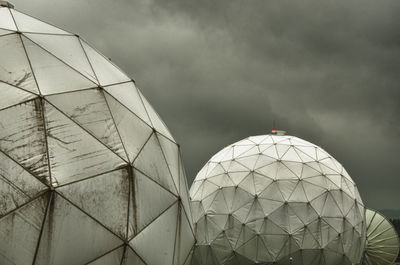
x=89, y=173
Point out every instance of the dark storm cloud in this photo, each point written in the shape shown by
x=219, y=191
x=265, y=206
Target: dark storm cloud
x=218, y=71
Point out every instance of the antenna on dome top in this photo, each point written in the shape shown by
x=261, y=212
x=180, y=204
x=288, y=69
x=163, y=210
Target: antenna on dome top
x=278, y=132
x=275, y=131
x=6, y=4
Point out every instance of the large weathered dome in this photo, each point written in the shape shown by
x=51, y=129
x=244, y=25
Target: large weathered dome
x=89, y=173
x=276, y=200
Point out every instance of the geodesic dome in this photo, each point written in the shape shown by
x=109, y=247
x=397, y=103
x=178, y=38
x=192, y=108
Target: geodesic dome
x=89, y=173
x=274, y=199
x=383, y=242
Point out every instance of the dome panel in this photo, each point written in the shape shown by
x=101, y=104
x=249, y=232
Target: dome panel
x=114, y=257
x=66, y=48
x=53, y=75
x=74, y=154
x=27, y=23
x=6, y=20
x=19, y=178
x=90, y=110
x=11, y=96
x=147, y=189
x=134, y=133
x=11, y=197
x=105, y=71
x=128, y=95
x=104, y=198
x=22, y=138
x=69, y=245
x=161, y=236
x=21, y=230
x=151, y=161
x=14, y=65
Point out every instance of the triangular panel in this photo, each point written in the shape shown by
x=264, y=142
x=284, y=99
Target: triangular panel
x=6, y=20
x=106, y=72
x=17, y=186
x=133, y=131
x=104, y=197
x=20, y=231
x=160, y=235
x=74, y=154
x=14, y=65
x=22, y=137
x=128, y=95
x=90, y=110
x=52, y=75
x=11, y=95
x=63, y=244
x=66, y=48
x=152, y=162
x=151, y=200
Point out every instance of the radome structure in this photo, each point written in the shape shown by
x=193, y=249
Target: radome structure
x=276, y=199
x=383, y=243
x=89, y=173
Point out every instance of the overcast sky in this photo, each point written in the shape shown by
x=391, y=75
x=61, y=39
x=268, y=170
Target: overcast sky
x=219, y=71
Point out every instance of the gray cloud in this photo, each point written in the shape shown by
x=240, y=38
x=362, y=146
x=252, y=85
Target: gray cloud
x=218, y=71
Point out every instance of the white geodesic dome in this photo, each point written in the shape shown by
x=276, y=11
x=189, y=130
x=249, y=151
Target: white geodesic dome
x=89, y=173
x=276, y=200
